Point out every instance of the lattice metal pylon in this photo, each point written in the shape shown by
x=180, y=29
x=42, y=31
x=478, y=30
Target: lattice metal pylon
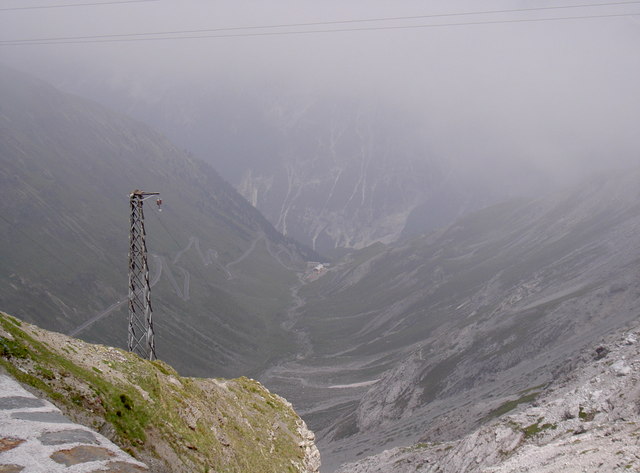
x=141, y=338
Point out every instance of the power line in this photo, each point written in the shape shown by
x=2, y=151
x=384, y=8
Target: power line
x=130, y=37
x=306, y=32
x=66, y=5
x=336, y=22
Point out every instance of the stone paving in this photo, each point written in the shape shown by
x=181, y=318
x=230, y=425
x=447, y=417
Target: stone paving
x=35, y=437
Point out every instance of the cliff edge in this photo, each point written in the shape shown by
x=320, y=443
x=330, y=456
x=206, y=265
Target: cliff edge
x=168, y=422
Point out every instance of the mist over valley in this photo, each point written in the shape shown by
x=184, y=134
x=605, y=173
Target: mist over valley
x=410, y=221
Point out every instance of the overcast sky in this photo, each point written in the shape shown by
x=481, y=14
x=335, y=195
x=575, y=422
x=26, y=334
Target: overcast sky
x=557, y=93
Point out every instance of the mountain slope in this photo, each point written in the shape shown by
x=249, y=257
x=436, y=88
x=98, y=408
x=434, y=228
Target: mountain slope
x=173, y=424
x=345, y=174
x=330, y=170
x=423, y=340
x=586, y=421
x=221, y=271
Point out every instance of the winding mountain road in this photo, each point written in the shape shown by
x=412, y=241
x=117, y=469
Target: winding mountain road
x=243, y=256
x=208, y=257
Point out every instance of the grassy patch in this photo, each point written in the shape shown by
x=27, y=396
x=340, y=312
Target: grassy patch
x=585, y=415
x=12, y=348
x=510, y=405
x=45, y=373
x=206, y=423
x=535, y=429
x=129, y=424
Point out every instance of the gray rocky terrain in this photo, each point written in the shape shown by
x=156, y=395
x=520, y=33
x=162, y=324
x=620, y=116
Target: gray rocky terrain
x=426, y=340
x=587, y=420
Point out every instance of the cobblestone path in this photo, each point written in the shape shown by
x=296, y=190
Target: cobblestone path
x=35, y=437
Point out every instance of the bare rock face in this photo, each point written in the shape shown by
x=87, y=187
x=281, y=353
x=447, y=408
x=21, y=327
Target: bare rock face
x=586, y=421
x=342, y=176
x=311, y=461
x=397, y=395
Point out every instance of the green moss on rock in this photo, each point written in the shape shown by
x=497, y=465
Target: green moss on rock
x=185, y=424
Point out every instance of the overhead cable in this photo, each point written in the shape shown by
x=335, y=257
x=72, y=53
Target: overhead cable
x=307, y=32
x=199, y=33
x=66, y=5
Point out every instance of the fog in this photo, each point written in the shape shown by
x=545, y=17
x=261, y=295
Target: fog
x=559, y=95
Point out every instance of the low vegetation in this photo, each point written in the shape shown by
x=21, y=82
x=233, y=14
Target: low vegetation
x=180, y=424
x=511, y=405
x=536, y=428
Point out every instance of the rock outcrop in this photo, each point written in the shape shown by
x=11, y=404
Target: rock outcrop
x=588, y=420
x=170, y=423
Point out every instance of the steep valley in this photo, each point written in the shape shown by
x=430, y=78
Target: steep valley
x=333, y=172
x=424, y=340
x=221, y=272
x=421, y=339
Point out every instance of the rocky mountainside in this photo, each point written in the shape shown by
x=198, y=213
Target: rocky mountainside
x=418, y=340
x=173, y=424
x=587, y=420
x=345, y=175
x=424, y=340
x=333, y=172
x=220, y=271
